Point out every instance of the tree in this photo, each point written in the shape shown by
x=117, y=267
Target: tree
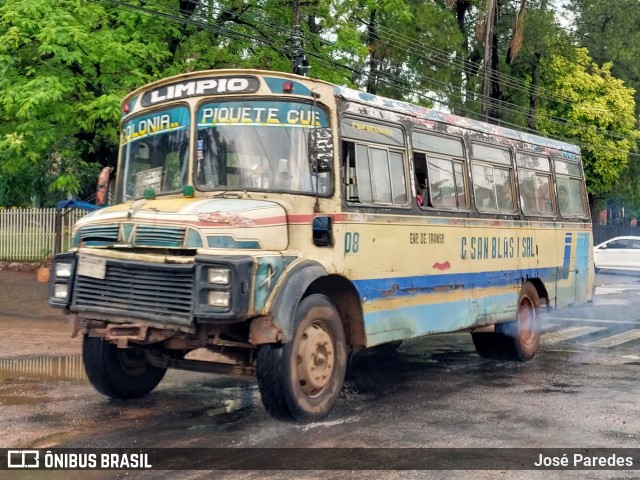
x=63, y=70
x=609, y=30
x=593, y=109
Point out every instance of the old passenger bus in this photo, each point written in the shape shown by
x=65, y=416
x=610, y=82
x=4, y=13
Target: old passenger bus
x=278, y=225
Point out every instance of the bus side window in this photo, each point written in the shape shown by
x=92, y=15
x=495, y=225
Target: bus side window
x=570, y=197
x=526, y=181
x=439, y=166
x=373, y=174
x=534, y=182
x=494, y=175
x=543, y=194
x=446, y=182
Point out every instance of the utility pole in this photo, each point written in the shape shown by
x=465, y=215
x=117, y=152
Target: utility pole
x=486, y=78
x=300, y=64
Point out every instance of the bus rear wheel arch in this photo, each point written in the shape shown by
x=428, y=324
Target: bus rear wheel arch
x=302, y=378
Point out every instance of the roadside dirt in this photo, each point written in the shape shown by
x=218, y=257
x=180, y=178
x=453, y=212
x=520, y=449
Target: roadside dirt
x=28, y=325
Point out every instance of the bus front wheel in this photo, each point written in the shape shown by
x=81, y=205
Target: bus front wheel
x=303, y=378
x=121, y=373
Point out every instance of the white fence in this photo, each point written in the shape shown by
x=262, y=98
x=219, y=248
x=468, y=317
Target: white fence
x=29, y=234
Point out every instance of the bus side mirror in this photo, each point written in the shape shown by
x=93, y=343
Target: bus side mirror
x=321, y=150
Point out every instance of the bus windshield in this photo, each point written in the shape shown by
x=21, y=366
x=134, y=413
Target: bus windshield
x=155, y=151
x=257, y=145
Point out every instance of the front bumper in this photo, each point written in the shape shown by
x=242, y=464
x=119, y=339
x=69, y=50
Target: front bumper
x=167, y=294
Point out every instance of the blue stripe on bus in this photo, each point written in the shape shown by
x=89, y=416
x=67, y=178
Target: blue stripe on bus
x=379, y=288
x=566, y=259
x=412, y=321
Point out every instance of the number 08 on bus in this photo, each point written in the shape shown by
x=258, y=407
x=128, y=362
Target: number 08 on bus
x=273, y=225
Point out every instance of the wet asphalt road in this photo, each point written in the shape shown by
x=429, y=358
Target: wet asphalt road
x=581, y=390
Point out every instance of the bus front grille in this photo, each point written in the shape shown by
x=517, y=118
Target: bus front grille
x=99, y=234
x=149, y=291
x=156, y=236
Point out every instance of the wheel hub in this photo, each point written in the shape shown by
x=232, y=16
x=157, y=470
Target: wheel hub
x=315, y=359
x=526, y=316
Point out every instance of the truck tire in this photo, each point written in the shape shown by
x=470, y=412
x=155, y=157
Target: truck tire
x=302, y=379
x=121, y=373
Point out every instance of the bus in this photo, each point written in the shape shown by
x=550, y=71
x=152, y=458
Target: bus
x=274, y=225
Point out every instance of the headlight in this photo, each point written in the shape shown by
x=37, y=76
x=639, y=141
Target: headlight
x=218, y=276
x=60, y=290
x=217, y=298
x=63, y=270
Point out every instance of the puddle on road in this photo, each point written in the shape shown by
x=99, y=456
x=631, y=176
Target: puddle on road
x=71, y=367
x=68, y=367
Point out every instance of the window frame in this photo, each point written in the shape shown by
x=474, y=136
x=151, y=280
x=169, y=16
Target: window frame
x=497, y=164
x=428, y=203
x=576, y=177
x=537, y=172
x=350, y=175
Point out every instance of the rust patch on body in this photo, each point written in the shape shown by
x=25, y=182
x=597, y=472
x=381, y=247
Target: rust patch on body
x=264, y=330
x=226, y=218
x=394, y=289
x=442, y=266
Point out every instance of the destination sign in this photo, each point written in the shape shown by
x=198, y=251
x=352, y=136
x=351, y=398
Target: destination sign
x=173, y=119
x=200, y=87
x=265, y=113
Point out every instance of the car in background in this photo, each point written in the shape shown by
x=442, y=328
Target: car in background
x=619, y=253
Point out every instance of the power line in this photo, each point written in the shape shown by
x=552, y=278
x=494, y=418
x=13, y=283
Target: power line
x=498, y=104
x=391, y=82
x=416, y=47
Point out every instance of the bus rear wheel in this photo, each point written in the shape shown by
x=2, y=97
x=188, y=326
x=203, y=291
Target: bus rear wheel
x=524, y=332
x=302, y=379
x=121, y=373
x=517, y=340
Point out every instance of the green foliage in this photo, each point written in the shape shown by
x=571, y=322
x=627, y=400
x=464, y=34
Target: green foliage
x=63, y=70
x=609, y=30
x=65, y=65
x=595, y=110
